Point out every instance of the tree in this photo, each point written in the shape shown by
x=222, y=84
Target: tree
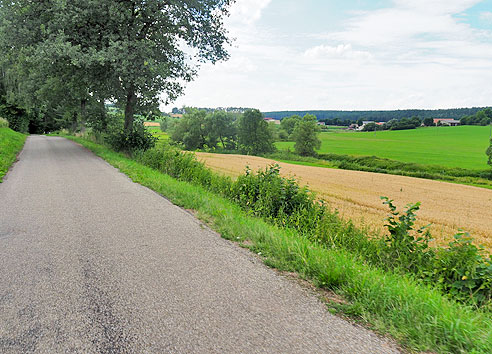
x=51, y=54
x=190, y=130
x=289, y=123
x=305, y=135
x=220, y=128
x=130, y=51
x=254, y=136
x=428, y=122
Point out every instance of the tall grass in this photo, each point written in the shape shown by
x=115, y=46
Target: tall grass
x=10, y=144
x=417, y=315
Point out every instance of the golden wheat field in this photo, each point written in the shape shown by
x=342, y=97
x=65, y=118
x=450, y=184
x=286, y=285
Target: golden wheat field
x=356, y=195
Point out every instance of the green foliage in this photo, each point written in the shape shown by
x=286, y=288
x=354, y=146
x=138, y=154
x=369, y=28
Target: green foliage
x=428, y=122
x=254, y=135
x=380, y=116
x=276, y=198
x=4, y=123
x=190, y=130
x=67, y=53
x=464, y=271
x=17, y=117
x=404, y=245
x=289, y=123
x=138, y=138
x=483, y=117
x=305, y=135
x=220, y=127
x=198, y=129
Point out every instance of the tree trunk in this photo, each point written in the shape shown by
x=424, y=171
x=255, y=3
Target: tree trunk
x=83, y=114
x=131, y=101
x=73, y=127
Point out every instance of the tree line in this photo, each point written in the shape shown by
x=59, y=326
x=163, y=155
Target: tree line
x=483, y=117
x=247, y=133
x=381, y=116
x=62, y=60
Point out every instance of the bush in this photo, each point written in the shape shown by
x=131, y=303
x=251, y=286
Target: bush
x=4, y=123
x=277, y=198
x=404, y=246
x=136, y=139
x=17, y=117
x=464, y=271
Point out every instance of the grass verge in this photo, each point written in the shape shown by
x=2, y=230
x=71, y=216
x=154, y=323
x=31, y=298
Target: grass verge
x=11, y=143
x=418, y=317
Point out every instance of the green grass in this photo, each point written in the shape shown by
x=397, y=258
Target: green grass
x=161, y=136
x=11, y=143
x=418, y=317
x=445, y=146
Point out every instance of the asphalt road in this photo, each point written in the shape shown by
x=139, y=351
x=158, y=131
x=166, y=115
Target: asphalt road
x=91, y=262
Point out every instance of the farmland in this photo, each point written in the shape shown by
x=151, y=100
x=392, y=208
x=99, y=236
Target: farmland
x=355, y=194
x=445, y=146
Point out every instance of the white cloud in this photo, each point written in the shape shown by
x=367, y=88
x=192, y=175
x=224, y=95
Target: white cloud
x=414, y=54
x=247, y=11
x=486, y=16
x=343, y=51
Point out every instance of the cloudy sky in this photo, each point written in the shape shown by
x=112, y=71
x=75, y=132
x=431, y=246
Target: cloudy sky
x=351, y=55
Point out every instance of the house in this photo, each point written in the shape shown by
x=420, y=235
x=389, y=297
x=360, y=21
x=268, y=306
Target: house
x=176, y=115
x=321, y=123
x=271, y=120
x=447, y=121
x=368, y=122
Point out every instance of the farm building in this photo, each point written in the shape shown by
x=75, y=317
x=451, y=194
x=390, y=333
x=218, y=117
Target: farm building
x=368, y=122
x=447, y=121
x=271, y=120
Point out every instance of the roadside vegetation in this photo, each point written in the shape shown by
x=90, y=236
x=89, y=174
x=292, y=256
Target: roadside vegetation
x=429, y=299
x=11, y=144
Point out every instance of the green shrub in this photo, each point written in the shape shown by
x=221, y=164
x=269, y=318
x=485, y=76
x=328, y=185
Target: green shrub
x=404, y=246
x=4, y=123
x=464, y=271
x=277, y=198
x=136, y=139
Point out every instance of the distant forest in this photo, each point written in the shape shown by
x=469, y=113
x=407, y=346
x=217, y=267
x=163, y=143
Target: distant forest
x=381, y=116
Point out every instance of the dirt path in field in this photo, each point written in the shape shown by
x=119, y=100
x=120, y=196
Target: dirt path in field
x=355, y=194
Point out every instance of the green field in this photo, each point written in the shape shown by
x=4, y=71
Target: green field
x=445, y=146
x=159, y=134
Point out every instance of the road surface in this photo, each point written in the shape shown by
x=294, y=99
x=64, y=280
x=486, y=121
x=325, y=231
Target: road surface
x=92, y=262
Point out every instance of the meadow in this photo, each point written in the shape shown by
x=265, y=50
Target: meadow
x=462, y=147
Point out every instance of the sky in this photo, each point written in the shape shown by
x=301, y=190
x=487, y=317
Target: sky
x=351, y=55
